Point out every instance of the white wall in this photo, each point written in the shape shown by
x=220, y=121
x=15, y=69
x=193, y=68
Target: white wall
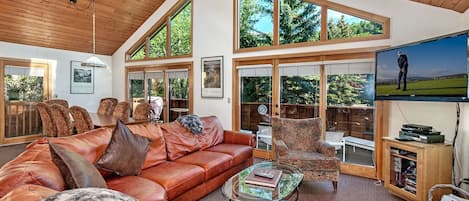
x=410, y=21
x=59, y=61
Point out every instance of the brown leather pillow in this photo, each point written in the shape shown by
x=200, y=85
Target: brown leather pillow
x=179, y=140
x=76, y=171
x=125, y=153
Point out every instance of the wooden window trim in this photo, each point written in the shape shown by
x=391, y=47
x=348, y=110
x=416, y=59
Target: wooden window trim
x=164, y=20
x=385, y=21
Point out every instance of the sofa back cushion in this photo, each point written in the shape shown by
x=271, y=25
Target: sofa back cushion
x=212, y=133
x=157, y=152
x=90, y=145
x=179, y=140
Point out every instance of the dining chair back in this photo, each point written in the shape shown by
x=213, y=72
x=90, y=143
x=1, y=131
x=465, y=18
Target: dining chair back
x=61, y=118
x=48, y=127
x=122, y=110
x=81, y=119
x=142, y=111
x=105, y=107
x=61, y=102
x=111, y=107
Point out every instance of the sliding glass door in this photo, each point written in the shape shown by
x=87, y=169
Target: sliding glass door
x=167, y=88
x=178, y=93
x=299, y=90
x=24, y=84
x=136, y=89
x=350, y=110
x=256, y=103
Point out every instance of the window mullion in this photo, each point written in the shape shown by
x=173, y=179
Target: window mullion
x=276, y=19
x=323, y=23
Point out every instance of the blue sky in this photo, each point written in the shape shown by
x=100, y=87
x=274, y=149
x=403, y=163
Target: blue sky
x=429, y=59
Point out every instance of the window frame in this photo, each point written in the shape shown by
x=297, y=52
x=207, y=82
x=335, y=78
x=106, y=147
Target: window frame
x=325, y=5
x=165, y=20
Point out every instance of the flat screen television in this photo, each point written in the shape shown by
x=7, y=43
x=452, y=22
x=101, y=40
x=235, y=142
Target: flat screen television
x=430, y=70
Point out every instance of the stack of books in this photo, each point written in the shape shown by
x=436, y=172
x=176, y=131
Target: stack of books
x=264, y=177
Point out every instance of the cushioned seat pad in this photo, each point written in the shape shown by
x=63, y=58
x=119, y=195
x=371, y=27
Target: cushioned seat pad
x=239, y=153
x=138, y=187
x=214, y=163
x=176, y=178
x=308, y=161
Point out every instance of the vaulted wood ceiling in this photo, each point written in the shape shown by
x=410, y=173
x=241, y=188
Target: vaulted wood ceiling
x=456, y=5
x=58, y=24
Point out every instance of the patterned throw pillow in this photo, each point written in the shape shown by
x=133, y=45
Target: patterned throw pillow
x=89, y=194
x=126, y=152
x=76, y=171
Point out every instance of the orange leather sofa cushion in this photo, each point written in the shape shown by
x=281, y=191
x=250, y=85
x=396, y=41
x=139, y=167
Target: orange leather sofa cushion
x=138, y=187
x=214, y=163
x=176, y=178
x=239, y=153
x=212, y=133
x=157, y=152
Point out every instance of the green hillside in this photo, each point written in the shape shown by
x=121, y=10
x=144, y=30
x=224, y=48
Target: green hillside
x=450, y=86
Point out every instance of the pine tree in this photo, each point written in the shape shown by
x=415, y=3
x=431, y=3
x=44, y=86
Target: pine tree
x=299, y=22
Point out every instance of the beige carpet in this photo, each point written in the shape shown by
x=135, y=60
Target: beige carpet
x=351, y=188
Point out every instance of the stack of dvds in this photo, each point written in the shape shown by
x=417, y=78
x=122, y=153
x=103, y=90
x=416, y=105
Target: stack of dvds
x=410, y=175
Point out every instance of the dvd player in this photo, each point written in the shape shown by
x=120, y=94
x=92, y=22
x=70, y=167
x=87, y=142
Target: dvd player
x=417, y=126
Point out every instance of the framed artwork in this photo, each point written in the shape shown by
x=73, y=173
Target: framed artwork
x=212, y=77
x=81, y=78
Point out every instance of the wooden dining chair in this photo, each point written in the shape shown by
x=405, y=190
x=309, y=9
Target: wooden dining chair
x=109, y=109
x=142, y=111
x=61, y=102
x=48, y=127
x=122, y=110
x=81, y=119
x=61, y=118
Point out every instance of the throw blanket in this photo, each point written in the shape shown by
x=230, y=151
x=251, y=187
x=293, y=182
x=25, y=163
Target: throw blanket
x=89, y=194
x=191, y=122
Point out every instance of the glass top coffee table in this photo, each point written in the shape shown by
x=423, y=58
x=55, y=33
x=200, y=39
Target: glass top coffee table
x=237, y=189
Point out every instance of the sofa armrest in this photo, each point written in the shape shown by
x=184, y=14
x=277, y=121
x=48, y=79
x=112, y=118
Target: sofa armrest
x=281, y=148
x=44, y=173
x=29, y=192
x=233, y=137
x=326, y=149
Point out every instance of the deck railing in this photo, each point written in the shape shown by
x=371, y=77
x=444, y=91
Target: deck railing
x=357, y=121
x=21, y=119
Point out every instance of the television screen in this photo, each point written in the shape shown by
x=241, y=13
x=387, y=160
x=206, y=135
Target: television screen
x=432, y=70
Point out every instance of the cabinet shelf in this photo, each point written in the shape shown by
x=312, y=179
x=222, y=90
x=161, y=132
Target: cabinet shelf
x=412, y=168
x=405, y=157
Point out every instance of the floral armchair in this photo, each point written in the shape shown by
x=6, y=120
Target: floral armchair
x=298, y=143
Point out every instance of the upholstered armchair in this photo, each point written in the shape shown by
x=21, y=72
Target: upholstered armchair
x=298, y=143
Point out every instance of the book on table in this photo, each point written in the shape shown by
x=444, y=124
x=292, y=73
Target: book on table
x=252, y=178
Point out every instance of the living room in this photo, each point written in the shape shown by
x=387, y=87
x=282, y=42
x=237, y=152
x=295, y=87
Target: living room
x=215, y=37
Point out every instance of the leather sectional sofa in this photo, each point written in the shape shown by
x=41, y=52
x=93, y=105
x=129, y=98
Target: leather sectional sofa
x=178, y=166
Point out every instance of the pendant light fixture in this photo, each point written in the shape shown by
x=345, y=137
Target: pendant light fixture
x=92, y=61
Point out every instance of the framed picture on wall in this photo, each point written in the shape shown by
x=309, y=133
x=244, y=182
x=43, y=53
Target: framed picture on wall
x=212, y=77
x=81, y=78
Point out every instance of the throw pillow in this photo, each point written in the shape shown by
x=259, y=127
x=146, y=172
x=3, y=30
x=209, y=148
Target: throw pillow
x=125, y=153
x=91, y=194
x=76, y=171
